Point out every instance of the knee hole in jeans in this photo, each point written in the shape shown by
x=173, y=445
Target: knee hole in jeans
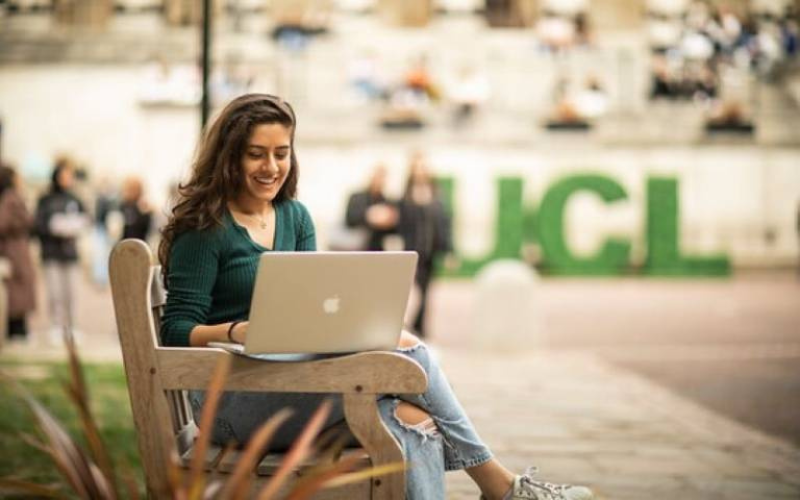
x=414, y=418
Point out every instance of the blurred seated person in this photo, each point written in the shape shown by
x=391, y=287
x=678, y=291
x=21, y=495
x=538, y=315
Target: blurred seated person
x=365, y=76
x=296, y=21
x=705, y=85
x=404, y=110
x=419, y=80
x=136, y=214
x=372, y=211
x=408, y=99
x=565, y=115
x=469, y=91
x=575, y=109
x=662, y=83
x=730, y=116
x=591, y=101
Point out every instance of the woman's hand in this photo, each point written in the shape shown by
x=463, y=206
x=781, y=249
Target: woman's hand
x=201, y=335
x=239, y=332
x=381, y=216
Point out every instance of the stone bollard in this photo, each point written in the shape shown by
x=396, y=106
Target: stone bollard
x=506, y=312
x=5, y=271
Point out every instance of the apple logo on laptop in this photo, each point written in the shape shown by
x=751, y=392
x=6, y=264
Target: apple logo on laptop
x=331, y=305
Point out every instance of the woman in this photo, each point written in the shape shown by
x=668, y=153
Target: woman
x=238, y=203
x=371, y=211
x=425, y=228
x=60, y=219
x=16, y=224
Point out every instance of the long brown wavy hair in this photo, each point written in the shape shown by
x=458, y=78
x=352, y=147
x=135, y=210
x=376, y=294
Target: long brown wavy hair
x=217, y=169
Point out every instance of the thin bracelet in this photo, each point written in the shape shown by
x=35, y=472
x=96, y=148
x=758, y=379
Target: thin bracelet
x=230, y=331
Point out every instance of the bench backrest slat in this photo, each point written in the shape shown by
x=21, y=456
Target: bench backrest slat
x=131, y=274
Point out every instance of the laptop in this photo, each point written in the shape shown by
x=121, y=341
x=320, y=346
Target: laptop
x=329, y=302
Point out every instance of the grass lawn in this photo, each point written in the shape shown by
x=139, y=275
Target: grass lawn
x=45, y=380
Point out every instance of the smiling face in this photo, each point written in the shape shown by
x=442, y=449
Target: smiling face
x=266, y=164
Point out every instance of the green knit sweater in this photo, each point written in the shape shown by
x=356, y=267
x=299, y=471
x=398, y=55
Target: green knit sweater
x=212, y=272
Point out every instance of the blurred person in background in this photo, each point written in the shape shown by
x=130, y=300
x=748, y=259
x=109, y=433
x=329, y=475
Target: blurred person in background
x=662, y=84
x=424, y=226
x=591, y=101
x=239, y=202
x=60, y=220
x=409, y=100
x=371, y=211
x=563, y=106
x=136, y=214
x=105, y=202
x=420, y=81
x=469, y=91
x=365, y=77
x=16, y=224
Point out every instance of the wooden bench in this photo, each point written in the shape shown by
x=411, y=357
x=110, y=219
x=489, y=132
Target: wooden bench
x=158, y=378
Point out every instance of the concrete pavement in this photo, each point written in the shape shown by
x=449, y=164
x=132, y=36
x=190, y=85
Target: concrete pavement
x=580, y=419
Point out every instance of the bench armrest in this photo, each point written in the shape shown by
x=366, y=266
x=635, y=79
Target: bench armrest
x=182, y=368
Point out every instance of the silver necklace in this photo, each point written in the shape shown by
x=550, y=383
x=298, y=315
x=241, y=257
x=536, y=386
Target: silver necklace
x=262, y=222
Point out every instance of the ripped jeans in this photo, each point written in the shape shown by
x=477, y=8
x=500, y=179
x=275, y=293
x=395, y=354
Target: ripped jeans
x=452, y=445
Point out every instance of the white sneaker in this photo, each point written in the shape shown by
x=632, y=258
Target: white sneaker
x=527, y=488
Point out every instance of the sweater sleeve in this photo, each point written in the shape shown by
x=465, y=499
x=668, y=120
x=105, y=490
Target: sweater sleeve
x=192, y=274
x=306, y=234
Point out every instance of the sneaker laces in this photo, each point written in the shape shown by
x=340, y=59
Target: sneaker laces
x=553, y=491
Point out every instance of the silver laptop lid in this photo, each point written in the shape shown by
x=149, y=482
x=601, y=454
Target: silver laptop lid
x=327, y=302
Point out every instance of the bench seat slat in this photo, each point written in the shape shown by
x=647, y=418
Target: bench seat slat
x=221, y=460
x=210, y=461
x=270, y=463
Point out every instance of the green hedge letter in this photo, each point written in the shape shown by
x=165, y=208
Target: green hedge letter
x=557, y=259
x=663, y=236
